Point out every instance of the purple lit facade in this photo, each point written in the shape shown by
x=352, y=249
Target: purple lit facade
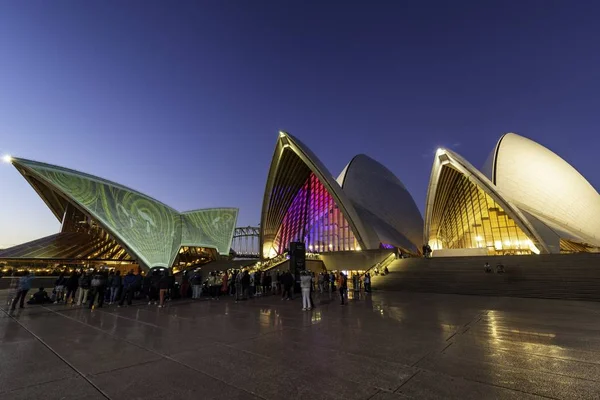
x=315, y=219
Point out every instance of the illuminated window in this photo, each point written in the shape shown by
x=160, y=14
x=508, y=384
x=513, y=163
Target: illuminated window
x=467, y=217
x=314, y=218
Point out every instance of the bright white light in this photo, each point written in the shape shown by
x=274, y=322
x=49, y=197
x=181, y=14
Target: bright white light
x=479, y=238
x=7, y=159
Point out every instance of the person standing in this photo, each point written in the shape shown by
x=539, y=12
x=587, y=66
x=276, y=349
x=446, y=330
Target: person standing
x=59, y=288
x=274, y=277
x=305, y=285
x=98, y=289
x=252, y=284
x=367, y=280
x=163, y=286
x=84, y=287
x=356, y=285
x=332, y=281
x=288, y=282
x=22, y=289
x=343, y=285
x=225, y=282
x=153, y=288
x=128, y=288
x=185, y=284
x=115, y=287
x=246, y=284
x=197, y=285
x=72, y=284
x=238, y=286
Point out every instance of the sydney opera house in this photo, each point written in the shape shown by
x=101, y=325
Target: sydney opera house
x=525, y=200
x=105, y=223
x=366, y=207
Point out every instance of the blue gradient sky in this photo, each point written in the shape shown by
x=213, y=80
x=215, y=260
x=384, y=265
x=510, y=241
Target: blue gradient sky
x=183, y=100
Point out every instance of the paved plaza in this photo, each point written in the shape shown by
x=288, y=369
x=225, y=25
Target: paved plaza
x=387, y=347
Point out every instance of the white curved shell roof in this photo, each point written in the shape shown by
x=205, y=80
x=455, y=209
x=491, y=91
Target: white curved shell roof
x=384, y=198
x=542, y=183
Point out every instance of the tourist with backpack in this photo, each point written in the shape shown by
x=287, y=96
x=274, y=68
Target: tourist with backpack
x=98, y=284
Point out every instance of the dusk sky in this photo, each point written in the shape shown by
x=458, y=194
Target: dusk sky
x=183, y=100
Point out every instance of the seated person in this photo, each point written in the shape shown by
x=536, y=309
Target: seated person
x=40, y=297
x=488, y=267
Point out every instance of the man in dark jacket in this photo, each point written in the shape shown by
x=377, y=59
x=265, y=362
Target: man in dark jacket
x=115, y=287
x=245, y=283
x=129, y=282
x=85, y=283
x=72, y=285
x=287, y=280
x=40, y=297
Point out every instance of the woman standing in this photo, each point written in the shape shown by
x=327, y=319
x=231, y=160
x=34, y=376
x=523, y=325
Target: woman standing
x=225, y=282
x=305, y=285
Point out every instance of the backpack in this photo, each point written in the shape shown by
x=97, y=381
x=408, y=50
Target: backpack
x=97, y=281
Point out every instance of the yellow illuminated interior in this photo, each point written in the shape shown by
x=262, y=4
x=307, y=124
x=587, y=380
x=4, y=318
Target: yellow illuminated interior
x=467, y=217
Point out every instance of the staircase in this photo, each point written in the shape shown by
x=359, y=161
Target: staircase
x=557, y=276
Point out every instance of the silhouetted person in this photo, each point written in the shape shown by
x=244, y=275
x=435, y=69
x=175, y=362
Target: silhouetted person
x=287, y=280
x=99, y=281
x=115, y=286
x=129, y=282
x=72, y=284
x=59, y=288
x=163, y=286
x=40, y=297
x=343, y=285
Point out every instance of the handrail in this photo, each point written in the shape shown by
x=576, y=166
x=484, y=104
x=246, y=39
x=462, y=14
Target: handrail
x=382, y=264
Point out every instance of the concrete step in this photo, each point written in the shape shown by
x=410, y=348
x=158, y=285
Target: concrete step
x=568, y=276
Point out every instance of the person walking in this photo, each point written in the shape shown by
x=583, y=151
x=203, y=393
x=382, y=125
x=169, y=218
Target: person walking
x=305, y=285
x=85, y=282
x=22, y=289
x=343, y=285
x=128, y=288
x=115, y=287
x=367, y=280
x=72, y=284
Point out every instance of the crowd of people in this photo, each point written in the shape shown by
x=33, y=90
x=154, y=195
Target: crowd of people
x=94, y=288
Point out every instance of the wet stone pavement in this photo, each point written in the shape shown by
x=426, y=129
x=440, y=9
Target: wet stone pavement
x=389, y=346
